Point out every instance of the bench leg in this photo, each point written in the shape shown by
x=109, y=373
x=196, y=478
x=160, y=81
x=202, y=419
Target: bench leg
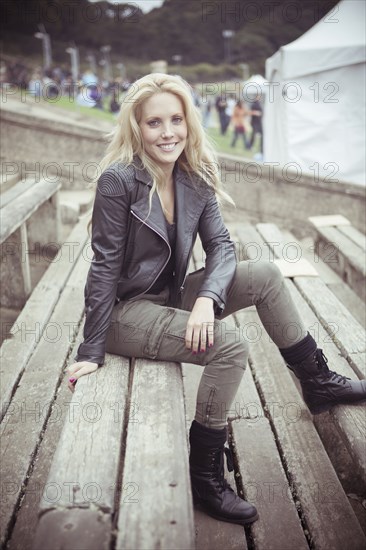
x=14, y=272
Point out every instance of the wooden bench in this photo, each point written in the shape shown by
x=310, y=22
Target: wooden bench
x=87, y=467
x=15, y=190
x=9, y=179
x=343, y=247
x=107, y=467
x=29, y=221
x=32, y=360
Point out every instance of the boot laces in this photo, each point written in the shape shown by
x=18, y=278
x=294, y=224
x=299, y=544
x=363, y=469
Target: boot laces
x=322, y=363
x=217, y=462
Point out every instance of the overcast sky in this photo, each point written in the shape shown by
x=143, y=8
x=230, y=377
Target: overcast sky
x=145, y=5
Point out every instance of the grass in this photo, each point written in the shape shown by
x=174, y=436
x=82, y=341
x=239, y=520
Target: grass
x=222, y=143
x=65, y=103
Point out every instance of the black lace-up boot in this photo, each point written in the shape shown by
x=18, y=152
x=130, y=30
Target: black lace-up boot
x=209, y=487
x=323, y=388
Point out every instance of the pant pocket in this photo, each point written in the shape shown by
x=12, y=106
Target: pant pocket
x=157, y=331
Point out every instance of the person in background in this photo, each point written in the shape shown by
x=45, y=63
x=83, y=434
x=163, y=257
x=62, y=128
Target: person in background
x=256, y=123
x=238, y=122
x=230, y=105
x=114, y=104
x=36, y=83
x=221, y=105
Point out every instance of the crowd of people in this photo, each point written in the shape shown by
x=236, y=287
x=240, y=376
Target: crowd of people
x=243, y=118
x=88, y=91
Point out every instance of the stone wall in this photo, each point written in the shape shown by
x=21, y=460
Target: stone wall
x=265, y=193
x=69, y=149
x=51, y=146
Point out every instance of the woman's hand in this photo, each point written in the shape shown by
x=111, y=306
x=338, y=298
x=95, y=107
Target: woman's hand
x=76, y=370
x=200, y=326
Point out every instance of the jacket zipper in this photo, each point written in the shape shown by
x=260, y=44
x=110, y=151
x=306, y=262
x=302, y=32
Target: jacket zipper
x=186, y=273
x=170, y=252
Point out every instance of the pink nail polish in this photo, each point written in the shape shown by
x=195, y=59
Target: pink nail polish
x=72, y=380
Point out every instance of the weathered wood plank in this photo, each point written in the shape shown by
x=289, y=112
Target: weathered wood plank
x=343, y=225
x=330, y=220
x=278, y=381
x=334, y=282
x=262, y=474
x=26, y=519
x=252, y=246
x=26, y=417
x=8, y=180
x=85, y=465
x=25, y=264
x=354, y=234
x=16, y=190
x=274, y=236
x=350, y=300
x=341, y=251
x=211, y=534
x=14, y=214
x=13, y=271
x=156, y=511
x=344, y=256
x=343, y=328
x=350, y=420
x=75, y=529
x=323, y=505
x=26, y=332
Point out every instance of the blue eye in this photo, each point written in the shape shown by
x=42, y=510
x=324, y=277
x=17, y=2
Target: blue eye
x=153, y=123
x=177, y=119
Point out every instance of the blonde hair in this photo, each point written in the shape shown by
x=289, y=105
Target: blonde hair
x=198, y=158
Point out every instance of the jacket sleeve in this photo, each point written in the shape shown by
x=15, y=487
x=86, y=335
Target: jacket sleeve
x=109, y=228
x=220, y=255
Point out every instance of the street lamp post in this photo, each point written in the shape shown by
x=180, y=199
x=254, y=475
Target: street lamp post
x=177, y=59
x=122, y=69
x=107, y=63
x=245, y=68
x=93, y=66
x=46, y=46
x=74, y=56
x=227, y=35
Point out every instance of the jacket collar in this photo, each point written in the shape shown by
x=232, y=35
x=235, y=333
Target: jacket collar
x=189, y=200
x=141, y=173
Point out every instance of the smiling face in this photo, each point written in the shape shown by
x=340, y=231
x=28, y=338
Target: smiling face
x=163, y=128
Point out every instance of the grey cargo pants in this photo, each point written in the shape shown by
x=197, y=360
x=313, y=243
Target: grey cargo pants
x=150, y=328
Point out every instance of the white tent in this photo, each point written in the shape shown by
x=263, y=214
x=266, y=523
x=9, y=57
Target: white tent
x=315, y=103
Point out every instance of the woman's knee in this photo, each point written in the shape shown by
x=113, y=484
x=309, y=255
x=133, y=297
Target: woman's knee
x=265, y=271
x=265, y=276
x=230, y=343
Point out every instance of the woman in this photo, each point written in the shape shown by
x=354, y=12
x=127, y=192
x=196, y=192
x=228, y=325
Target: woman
x=158, y=189
x=238, y=121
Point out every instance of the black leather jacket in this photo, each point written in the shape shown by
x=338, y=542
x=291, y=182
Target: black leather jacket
x=131, y=247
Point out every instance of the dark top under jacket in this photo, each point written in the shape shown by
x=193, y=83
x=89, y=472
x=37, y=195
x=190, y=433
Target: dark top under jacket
x=166, y=276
